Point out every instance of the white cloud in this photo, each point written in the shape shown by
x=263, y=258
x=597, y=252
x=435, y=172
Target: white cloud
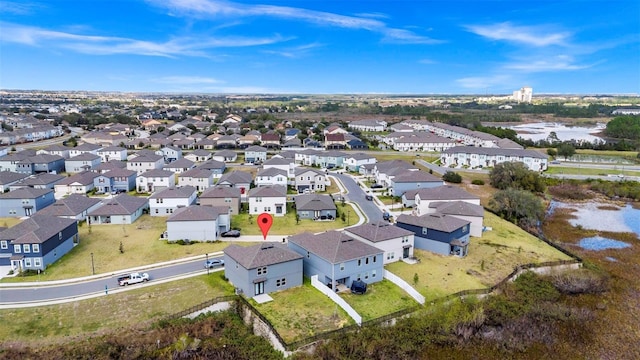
x=557, y=63
x=295, y=52
x=528, y=35
x=207, y=8
x=108, y=45
x=19, y=8
x=484, y=82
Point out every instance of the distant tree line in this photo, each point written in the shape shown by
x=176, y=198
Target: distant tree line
x=624, y=127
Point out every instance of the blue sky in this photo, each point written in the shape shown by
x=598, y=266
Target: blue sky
x=321, y=47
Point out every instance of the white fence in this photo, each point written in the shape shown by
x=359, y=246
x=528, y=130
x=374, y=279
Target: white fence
x=405, y=286
x=336, y=299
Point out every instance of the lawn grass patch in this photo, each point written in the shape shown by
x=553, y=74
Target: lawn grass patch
x=128, y=309
x=589, y=171
x=287, y=225
x=303, y=311
x=140, y=243
x=491, y=258
x=382, y=298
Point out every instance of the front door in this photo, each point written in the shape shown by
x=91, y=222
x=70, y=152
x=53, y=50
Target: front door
x=259, y=288
x=278, y=209
x=405, y=253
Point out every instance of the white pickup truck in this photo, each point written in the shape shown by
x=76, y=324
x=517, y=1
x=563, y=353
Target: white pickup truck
x=132, y=278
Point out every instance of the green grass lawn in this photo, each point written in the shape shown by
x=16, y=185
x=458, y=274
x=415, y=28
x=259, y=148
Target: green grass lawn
x=286, y=225
x=491, y=258
x=381, y=298
x=291, y=312
x=140, y=242
x=105, y=314
x=589, y=171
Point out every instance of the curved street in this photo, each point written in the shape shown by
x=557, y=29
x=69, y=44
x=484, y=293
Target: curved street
x=357, y=195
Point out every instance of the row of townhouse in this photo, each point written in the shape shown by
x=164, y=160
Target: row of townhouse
x=473, y=157
x=30, y=134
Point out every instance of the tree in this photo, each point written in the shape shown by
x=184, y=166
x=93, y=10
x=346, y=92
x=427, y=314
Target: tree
x=452, y=177
x=566, y=149
x=515, y=175
x=518, y=206
x=552, y=152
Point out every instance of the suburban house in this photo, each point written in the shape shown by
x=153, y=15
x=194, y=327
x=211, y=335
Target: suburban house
x=286, y=164
x=146, y=162
x=43, y=163
x=291, y=134
x=270, y=140
x=38, y=181
x=75, y=206
x=384, y=171
x=419, y=141
x=170, y=153
x=222, y=196
x=263, y=268
x=199, y=223
x=201, y=179
x=368, y=125
x=199, y=155
x=217, y=168
x=8, y=178
x=80, y=183
x=37, y=242
x=309, y=180
x=462, y=210
x=227, y=142
x=475, y=157
x=438, y=233
x=121, y=209
x=269, y=199
x=25, y=201
x=112, y=153
x=271, y=176
x=336, y=257
x=315, y=207
x=59, y=150
x=237, y=179
x=84, y=148
x=411, y=180
x=179, y=166
x=424, y=197
x=353, y=162
x=154, y=180
x=167, y=201
x=83, y=162
x=397, y=243
x=108, y=166
x=10, y=162
x=335, y=141
x=116, y=180
x=225, y=156
x=330, y=159
x=255, y=155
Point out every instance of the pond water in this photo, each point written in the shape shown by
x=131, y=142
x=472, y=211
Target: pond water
x=540, y=131
x=589, y=216
x=601, y=243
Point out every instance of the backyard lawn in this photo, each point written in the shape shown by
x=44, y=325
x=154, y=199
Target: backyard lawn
x=590, y=171
x=139, y=307
x=303, y=311
x=490, y=259
x=382, y=298
x=140, y=245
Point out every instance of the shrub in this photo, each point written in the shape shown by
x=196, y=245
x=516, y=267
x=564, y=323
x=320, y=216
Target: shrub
x=580, y=282
x=452, y=177
x=570, y=191
x=477, y=182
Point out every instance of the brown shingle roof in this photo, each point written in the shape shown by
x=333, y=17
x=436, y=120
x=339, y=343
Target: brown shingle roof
x=261, y=255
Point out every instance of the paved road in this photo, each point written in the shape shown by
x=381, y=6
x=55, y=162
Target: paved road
x=357, y=195
x=21, y=294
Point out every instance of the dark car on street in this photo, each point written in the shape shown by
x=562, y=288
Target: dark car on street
x=231, y=233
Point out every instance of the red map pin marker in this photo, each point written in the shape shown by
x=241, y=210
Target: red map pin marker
x=264, y=222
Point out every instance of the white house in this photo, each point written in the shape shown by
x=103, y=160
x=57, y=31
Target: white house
x=462, y=210
x=368, y=125
x=84, y=148
x=201, y=179
x=310, y=179
x=179, y=166
x=269, y=199
x=145, y=162
x=112, y=153
x=154, y=180
x=353, y=162
x=422, y=141
x=474, y=157
x=424, y=197
x=82, y=162
x=287, y=165
x=271, y=176
x=199, y=223
x=397, y=243
x=166, y=201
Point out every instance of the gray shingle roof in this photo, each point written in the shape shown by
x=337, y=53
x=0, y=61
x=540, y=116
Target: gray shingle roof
x=25, y=193
x=435, y=221
x=83, y=178
x=122, y=204
x=277, y=161
x=268, y=191
x=174, y=193
x=196, y=173
x=256, y=148
x=379, y=231
x=72, y=205
x=7, y=177
x=119, y=172
x=271, y=172
x=261, y=255
x=236, y=177
x=314, y=202
x=334, y=246
x=495, y=151
x=217, y=192
x=195, y=213
x=157, y=173
x=212, y=165
x=457, y=208
x=179, y=164
x=445, y=192
x=87, y=156
x=36, y=229
x=416, y=176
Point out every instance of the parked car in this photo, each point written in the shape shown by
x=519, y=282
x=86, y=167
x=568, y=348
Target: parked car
x=133, y=278
x=211, y=263
x=377, y=186
x=358, y=287
x=369, y=197
x=231, y=233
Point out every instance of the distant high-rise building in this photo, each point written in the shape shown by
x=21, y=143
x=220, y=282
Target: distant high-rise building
x=523, y=95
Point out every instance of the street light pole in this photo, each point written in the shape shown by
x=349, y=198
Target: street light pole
x=93, y=268
x=207, y=255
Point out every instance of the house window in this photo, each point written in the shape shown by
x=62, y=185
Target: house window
x=308, y=255
x=27, y=262
x=17, y=249
x=156, y=211
x=281, y=282
x=37, y=262
x=255, y=209
x=366, y=275
x=36, y=248
x=4, y=245
x=464, y=228
x=262, y=270
x=374, y=258
x=258, y=199
x=359, y=262
x=373, y=273
x=227, y=200
x=366, y=260
x=27, y=248
x=342, y=267
x=159, y=201
x=424, y=231
x=60, y=235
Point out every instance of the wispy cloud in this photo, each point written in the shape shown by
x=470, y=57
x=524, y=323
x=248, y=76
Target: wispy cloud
x=19, y=8
x=108, y=45
x=427, y=61
x=528, y=35
x=296, y=51
x=186, y=80
x=484, y=82
x=557, y=63
x=208, y=8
